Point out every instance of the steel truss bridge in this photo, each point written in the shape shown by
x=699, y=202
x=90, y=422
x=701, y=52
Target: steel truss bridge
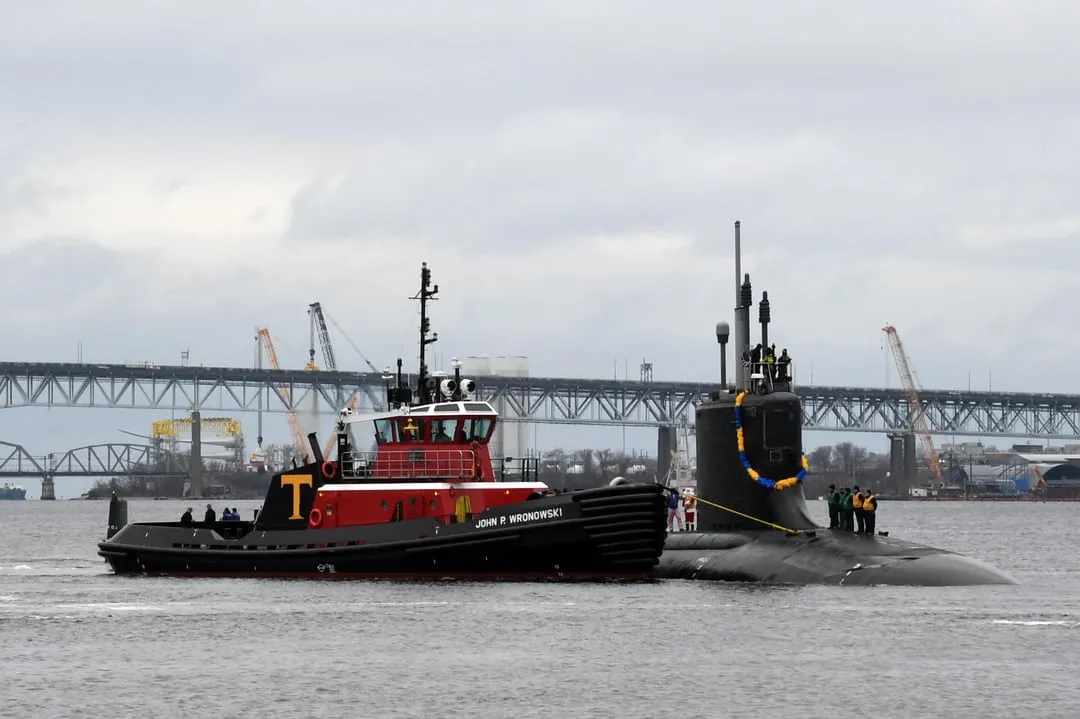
x=97, y=460
x=532, y=399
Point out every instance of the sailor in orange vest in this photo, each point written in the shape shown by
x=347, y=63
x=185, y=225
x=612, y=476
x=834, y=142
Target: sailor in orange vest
x=869, y=508
x=857, y=505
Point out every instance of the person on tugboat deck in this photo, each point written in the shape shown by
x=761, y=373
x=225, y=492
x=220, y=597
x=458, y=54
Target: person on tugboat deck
x=186, y=519
x=211, y=516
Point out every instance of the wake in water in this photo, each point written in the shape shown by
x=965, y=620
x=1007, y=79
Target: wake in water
x=1066, y=623
x=55, y=568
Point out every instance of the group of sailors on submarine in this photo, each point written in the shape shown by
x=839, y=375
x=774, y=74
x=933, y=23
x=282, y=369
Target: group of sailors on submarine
x=851, y=510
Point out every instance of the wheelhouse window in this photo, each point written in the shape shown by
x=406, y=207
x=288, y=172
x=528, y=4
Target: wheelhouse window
x=411, y=429
x=477, y=430
x=384, y=431
x=444, y=431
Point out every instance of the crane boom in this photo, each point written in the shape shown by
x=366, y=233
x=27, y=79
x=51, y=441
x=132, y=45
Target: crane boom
x=318, y=325
x=294, y=424
x=918, y=413
x=324, y=336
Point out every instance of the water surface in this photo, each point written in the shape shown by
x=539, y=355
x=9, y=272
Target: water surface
x=79, y=642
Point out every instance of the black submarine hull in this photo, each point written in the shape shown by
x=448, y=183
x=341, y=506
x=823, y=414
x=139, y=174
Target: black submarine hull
x=607, y=533
x=753, y=519
x=823, y=556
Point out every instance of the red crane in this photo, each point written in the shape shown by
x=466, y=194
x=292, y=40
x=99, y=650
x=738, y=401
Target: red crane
x=918, y=413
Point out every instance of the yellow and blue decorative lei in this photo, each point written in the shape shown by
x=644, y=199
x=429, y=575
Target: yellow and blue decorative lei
x=763, y=481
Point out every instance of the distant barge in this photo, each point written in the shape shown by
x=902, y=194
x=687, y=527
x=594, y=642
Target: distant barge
x=12, y=492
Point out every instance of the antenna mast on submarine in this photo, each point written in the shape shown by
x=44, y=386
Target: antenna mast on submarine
x=744, y=300
x=740, y=339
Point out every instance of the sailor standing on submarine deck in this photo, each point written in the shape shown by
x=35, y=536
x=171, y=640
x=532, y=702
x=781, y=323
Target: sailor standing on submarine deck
x=847, y=513
x=870, y=512
x=834, y=507
x=856, y=504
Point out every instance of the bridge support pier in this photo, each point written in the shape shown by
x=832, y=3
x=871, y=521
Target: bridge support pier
x=911, y=467
x=195, y=457
x=897, y=475
x=902, y=461
x=48, y=487
x=666, y=445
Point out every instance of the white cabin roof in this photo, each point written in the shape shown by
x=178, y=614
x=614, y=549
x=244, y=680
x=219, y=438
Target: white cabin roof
x=471, y=408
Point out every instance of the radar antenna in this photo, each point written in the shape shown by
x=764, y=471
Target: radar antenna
x=426, y=294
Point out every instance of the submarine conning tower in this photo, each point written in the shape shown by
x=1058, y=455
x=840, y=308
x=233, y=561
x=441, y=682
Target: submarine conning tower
x=749, y=436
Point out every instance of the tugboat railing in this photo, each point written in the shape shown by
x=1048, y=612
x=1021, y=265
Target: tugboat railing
x=436, y=465
x=516, y=469
x=413, y=463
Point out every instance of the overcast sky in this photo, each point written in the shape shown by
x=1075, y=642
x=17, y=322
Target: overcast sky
x=173, y=174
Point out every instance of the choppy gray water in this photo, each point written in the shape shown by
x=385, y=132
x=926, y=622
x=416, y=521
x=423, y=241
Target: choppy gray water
x=76, y=641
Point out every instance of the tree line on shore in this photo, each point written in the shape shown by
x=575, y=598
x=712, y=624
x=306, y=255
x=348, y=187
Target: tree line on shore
x=842, y=464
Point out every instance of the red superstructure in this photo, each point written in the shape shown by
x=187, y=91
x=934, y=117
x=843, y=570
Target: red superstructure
x=430, y=461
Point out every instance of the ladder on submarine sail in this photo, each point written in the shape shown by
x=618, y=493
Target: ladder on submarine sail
x=680, y=476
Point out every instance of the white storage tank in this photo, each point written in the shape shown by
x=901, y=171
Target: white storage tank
x=511, y=439
x=476, y=366
x=516, y=437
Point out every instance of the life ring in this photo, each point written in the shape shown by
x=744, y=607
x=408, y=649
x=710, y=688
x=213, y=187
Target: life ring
x=315, y=517
x=329, y=469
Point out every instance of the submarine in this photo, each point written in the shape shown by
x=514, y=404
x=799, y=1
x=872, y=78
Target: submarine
x=752, y=519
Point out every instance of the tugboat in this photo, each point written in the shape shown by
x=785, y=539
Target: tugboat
x=751, y=515
x=426, y=503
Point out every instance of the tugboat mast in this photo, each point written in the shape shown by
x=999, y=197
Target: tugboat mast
x=425, y=295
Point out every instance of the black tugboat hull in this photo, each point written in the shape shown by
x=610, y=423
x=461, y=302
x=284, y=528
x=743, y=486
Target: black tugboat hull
x=824, y=556
x=606, y=533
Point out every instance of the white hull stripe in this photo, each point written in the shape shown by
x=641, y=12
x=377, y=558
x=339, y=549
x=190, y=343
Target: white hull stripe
x=421, y=486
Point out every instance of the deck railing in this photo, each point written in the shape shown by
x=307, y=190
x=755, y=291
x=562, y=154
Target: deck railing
x=436, y=465
x=412, y=463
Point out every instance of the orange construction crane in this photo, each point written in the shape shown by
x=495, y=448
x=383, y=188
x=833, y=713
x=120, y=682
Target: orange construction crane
x=918, y=414
x=294, y=424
